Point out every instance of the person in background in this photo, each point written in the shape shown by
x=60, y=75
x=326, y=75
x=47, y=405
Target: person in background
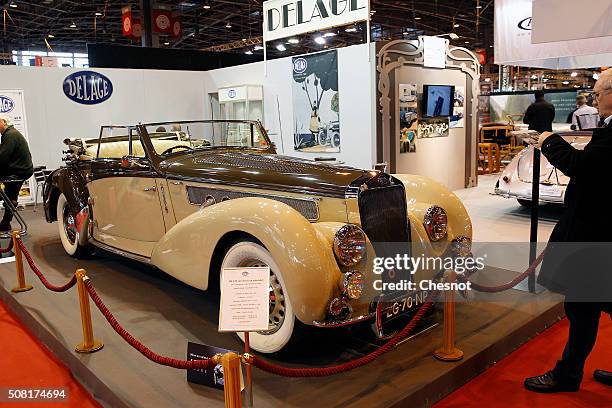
x=15, y=162
x=588, y=115
x=577, y=260
x=540, y=114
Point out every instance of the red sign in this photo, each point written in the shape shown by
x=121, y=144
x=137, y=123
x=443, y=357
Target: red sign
x=482, y=56
x=177, y=26
x=136, y=30
x=162, y=21
x=126, y=17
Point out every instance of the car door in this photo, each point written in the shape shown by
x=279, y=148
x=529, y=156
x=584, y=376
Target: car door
x=123, y=187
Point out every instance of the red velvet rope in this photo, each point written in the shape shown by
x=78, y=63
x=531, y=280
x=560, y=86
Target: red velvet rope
x=270, y=367
x=509, y=285
x=40, y=275
x=148, y=353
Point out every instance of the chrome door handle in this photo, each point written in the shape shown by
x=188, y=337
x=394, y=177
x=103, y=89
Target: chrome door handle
x=150, y=189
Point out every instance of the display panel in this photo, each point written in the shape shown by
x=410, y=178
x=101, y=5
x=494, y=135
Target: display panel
x=438, y=100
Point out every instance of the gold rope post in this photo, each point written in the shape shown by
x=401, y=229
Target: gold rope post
x=231, y=377
x=448, y=351
x=22, y=285
x=89, y=344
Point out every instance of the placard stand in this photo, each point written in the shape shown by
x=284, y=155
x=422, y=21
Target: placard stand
x=248, y=387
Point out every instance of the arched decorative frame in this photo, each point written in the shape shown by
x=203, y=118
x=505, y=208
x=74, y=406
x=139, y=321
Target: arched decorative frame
x=396, y=54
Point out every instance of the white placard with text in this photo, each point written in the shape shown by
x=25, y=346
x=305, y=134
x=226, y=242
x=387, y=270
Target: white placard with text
x=245, y=299
x=434, y=52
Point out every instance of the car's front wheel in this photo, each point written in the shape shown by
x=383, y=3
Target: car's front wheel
x=68, y=232
x=282, y=321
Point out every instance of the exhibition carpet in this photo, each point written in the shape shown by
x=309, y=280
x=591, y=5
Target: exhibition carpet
x=27, y=364
x=502, y=384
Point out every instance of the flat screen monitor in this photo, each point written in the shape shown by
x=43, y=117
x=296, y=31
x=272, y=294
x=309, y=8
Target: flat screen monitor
x=438, y=100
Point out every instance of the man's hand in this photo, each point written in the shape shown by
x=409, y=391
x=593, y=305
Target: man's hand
x=538, y=140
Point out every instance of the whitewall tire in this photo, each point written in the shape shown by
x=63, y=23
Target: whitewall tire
x=67, y=230
x=282, y=319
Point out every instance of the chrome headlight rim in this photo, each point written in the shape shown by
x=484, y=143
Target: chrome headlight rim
x=352, y=285
x=436, y=223
x=349, y=245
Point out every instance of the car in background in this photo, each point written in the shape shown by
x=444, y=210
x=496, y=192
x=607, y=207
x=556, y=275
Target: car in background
x=194, y=198
x=516, y=179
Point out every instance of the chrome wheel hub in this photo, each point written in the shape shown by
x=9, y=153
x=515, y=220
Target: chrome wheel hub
x=69, y=225
x=277, y=300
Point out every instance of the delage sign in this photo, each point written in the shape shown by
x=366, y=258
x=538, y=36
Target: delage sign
x=6, y=104
x=284, y=18
x=87, y=87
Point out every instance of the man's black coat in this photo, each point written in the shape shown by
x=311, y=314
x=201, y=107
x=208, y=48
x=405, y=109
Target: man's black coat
x=578, y=260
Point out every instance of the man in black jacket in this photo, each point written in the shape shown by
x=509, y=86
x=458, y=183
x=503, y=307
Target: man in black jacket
x=578, y=261
x=15, y=162
x=540, y=114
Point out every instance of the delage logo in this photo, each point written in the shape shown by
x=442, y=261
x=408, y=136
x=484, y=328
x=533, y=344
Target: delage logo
x=88, y=87
x=231, y=93
x=300, y=65
x=6, y=104
x=525, y=24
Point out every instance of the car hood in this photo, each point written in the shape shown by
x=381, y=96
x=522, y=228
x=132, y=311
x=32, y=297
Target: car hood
x=268, y=171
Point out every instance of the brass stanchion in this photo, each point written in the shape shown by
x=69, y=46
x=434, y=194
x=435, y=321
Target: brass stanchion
x=23, y=287
x=89, y=344
x=231, y=377
x=448, y=351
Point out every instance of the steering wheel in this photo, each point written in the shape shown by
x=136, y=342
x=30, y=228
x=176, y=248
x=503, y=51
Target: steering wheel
x=171, y=149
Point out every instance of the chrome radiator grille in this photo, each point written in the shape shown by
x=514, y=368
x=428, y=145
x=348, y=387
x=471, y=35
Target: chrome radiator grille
x=383, y=214
x=200, y=195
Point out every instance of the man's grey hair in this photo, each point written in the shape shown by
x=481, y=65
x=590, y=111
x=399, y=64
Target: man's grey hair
x=605, y=79
x=6, y=119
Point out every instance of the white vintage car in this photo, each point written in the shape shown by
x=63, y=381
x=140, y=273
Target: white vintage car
x=516, y=179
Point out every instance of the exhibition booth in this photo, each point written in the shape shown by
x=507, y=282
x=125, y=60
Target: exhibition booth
x=318, y=227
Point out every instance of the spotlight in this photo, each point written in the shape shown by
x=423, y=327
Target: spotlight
x=320, y=40
x=293, y=41
x=13, y=5
x=329, y=35
x=455, y=25
x=72, y=25
x=258, y=47
x=487, y=79
x=50, y=36
x=574, y=74
x=249, y=52
x=98, y=14
x=166, y=43
x=351, y=30
x=206, y=6
x=228, y=25
x=281, y=47
x=565, y=82
x=534, y=76
x=417, y=18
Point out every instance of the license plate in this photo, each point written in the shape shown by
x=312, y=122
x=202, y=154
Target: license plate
x=391, y=310
x=551, y=191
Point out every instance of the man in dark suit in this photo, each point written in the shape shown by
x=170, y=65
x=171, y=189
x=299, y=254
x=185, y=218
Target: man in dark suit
x=577, y=263
x=15, y=162
x=540, y=114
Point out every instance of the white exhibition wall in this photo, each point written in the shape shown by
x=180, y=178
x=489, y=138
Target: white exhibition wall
x=157, y=96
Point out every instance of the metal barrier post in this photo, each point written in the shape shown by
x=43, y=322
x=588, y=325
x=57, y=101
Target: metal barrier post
x=231, y=377
x=22, y=286
x=448, y=351
x=89, y=344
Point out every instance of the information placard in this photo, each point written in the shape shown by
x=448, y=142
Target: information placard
x=244, y=305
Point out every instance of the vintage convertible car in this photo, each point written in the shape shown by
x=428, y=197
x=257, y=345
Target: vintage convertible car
x=516, y=179
x=206, y=195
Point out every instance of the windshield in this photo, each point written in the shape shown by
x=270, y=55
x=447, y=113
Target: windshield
x=168, y=138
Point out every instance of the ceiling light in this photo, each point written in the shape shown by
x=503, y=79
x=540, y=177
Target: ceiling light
x=167, y=43
x=72, y=25
x=319, y=40
x=351, y=29
x=417, y=18
x=206, y=6
x=534, y=76
x=228, y=25
x=329, y=35
x=576, y=86
x=565, y=82
x=13, y=5
x=478, y=7
x=467, y=42
x=545, y=79
x=50, y=36
x=98, y=14
x=258, y=47
x=249, y=52
x=487, y=79
x=574, y=74
x=244, y=39
x=293, y=41
x=455, y=25
x=281, y=47
x=490, y=46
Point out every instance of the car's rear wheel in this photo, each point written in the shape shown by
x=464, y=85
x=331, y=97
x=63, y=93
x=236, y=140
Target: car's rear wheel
x=282, y=321
x=68, y=232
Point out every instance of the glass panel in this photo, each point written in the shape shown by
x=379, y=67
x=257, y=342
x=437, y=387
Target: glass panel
x=169, y=138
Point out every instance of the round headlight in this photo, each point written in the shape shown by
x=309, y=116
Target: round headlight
x=352, y=284
x=436, y=223
x=349, y=245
